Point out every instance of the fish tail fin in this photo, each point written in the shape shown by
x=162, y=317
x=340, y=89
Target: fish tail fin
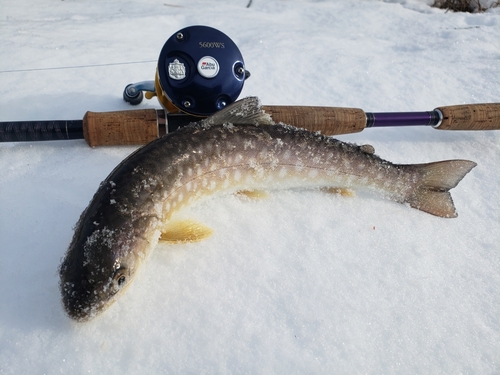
x=432, y=194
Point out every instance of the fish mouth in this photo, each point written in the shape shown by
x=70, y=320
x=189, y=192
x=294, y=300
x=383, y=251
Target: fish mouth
x=83, y=308
x=79, y=308
x=84, y=300
x=83, y=303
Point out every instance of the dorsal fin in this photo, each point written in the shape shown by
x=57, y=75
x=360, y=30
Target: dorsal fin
x=244, y=111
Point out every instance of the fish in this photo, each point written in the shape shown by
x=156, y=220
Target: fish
x=238, y=149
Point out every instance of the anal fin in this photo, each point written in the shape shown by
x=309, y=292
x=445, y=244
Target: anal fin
x=252, y=194
x=336, y=190
x=182, y=231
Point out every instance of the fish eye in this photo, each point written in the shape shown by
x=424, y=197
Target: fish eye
x=119, y=279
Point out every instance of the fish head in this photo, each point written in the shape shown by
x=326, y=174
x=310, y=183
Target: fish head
x=96, y=269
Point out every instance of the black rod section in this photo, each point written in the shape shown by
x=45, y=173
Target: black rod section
x=28, y=131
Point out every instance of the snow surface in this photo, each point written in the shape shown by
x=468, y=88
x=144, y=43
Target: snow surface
x=301, y=282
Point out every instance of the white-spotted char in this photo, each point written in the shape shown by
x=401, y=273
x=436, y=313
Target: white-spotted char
x=236, y=150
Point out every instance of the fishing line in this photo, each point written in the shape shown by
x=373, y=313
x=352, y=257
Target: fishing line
x=76, y=66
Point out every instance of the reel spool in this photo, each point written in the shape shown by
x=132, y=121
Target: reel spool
x=200, y=71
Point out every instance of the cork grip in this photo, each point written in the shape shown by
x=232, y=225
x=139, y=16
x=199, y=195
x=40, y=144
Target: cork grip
x=470, y=117
x=327, y=120
x=120, y=128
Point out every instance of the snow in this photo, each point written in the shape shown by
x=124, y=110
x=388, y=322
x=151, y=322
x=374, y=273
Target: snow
x=300, y=282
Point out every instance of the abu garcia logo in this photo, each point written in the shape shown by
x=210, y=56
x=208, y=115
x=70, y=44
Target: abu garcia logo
x=207, y=65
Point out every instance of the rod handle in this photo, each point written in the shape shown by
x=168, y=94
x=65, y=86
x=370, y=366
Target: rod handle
x=327, y=120
x=484, y=116
x=120, y=127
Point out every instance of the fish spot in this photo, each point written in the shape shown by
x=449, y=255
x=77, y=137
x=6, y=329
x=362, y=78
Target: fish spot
x=248, y=144
x=313, y=173
x=237, y=175
x=223, y=172
x=166, y=206
x=299, y=167
x=263, y=154
x=283, y=172
x=270, y=179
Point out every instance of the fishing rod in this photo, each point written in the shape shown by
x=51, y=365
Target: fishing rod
x=136, y=127
x=200, y=71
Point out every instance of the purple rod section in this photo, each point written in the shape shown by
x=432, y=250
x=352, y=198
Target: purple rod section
x=401, y=119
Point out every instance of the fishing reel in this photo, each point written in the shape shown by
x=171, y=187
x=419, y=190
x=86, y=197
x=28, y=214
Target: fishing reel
x=200, y=71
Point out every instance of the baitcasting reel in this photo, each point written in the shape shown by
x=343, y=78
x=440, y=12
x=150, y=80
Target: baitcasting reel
x=200, y=71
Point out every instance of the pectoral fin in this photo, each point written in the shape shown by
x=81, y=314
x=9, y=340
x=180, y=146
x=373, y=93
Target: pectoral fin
x=178, y=231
